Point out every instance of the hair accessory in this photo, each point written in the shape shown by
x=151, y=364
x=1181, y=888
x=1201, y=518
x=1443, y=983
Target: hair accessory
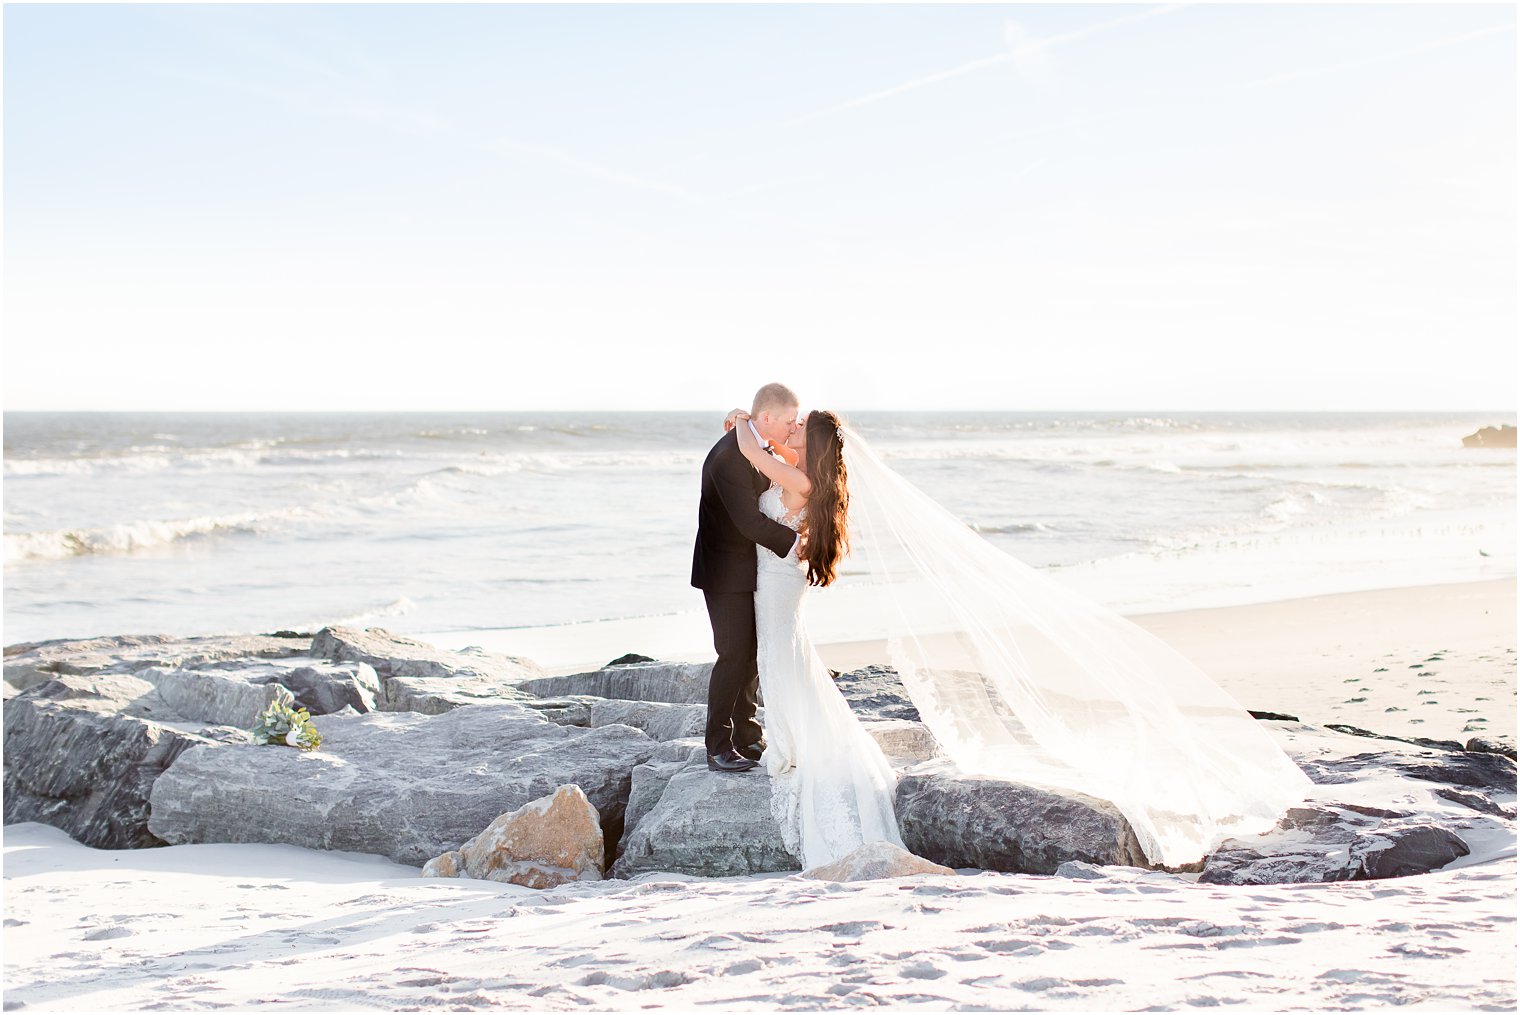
x=839, y=432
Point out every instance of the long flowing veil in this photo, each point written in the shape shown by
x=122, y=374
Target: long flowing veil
x=1021, y=677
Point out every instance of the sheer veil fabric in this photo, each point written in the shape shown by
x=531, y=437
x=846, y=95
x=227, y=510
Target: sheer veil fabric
x=1021, y=677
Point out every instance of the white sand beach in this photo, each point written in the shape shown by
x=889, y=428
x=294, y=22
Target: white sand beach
x=201, y=927
x=243, y=926
x=1424, y=661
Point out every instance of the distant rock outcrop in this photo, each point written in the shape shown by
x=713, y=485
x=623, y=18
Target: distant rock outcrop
x=1502, y=436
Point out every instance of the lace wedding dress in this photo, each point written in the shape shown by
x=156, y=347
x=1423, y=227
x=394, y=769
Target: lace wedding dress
x=831, y=785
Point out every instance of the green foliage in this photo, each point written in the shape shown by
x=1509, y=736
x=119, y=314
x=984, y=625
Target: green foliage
x=283, y=723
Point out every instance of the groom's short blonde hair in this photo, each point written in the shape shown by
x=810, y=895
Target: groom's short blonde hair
x=773, y=397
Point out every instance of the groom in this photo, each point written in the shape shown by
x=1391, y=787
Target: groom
x=729, y=526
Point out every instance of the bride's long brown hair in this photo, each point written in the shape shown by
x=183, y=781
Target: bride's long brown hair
x=828, y=534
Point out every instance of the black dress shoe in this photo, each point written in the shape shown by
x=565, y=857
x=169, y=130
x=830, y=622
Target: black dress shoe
x=753, y=751
x=729, y=761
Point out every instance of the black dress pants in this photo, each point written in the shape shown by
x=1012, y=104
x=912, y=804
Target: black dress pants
x=734, y=688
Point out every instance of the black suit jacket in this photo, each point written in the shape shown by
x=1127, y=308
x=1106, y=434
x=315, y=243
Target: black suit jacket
x=729, y=521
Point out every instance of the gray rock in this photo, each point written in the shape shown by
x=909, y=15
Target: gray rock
x=331, y=687
x=712, y=824
x=81, y=754
x=1330, y=844
x=1494, y=773
x=395, y=655
x=876, y=691
x=28, y=664
x=1477, y=801
x=404, y=785
x=1398, y=850
x=572, y=710
x=661, y=720
x=681, y=683
x=211, y=696
x=436, y=695
x=962, y=820
x=1350, y=828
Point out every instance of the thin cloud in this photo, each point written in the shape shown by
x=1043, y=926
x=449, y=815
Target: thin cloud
x=1025, y=50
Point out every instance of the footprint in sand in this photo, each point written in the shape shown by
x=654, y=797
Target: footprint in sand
x=1395, y=708
x=1351, y=680
x=1354, y=701
x=1423, y=691
x=1381, y=669
x=107, y=933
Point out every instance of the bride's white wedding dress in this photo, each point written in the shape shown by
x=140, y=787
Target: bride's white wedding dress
x=831, y=785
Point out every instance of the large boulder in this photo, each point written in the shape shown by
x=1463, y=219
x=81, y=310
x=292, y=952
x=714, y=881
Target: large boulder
x=544, y=843
x=713, y=824
x=401, y=784
x=82, y=752
x=962, y=820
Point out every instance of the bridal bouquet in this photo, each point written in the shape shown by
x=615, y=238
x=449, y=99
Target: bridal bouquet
x=282, y=723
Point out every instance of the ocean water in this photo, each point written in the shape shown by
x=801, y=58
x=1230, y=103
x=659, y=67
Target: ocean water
x=464, y=522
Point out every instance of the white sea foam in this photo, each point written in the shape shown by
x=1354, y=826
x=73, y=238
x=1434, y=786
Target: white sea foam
x=130, y=537
x=515, y=519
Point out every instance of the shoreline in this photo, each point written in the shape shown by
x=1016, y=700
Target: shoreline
x=1434, y=660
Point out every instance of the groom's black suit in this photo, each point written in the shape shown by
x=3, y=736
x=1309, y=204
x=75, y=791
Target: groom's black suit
x=729, y=525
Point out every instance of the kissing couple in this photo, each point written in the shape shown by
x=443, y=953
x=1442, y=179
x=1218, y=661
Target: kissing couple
x=1016, y=675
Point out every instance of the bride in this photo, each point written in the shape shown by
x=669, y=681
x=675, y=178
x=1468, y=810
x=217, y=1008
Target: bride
x=831, y=785
x=1017, y=675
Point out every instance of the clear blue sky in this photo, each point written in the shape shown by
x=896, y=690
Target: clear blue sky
x=531, y=207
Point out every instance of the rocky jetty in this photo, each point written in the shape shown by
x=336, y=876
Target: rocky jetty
x=137, y=741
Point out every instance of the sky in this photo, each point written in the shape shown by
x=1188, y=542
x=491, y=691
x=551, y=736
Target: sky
x=534, y=207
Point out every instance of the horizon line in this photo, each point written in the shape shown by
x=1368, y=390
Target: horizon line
x=655, y=412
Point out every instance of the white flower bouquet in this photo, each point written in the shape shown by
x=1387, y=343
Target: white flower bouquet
x=283, y=723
